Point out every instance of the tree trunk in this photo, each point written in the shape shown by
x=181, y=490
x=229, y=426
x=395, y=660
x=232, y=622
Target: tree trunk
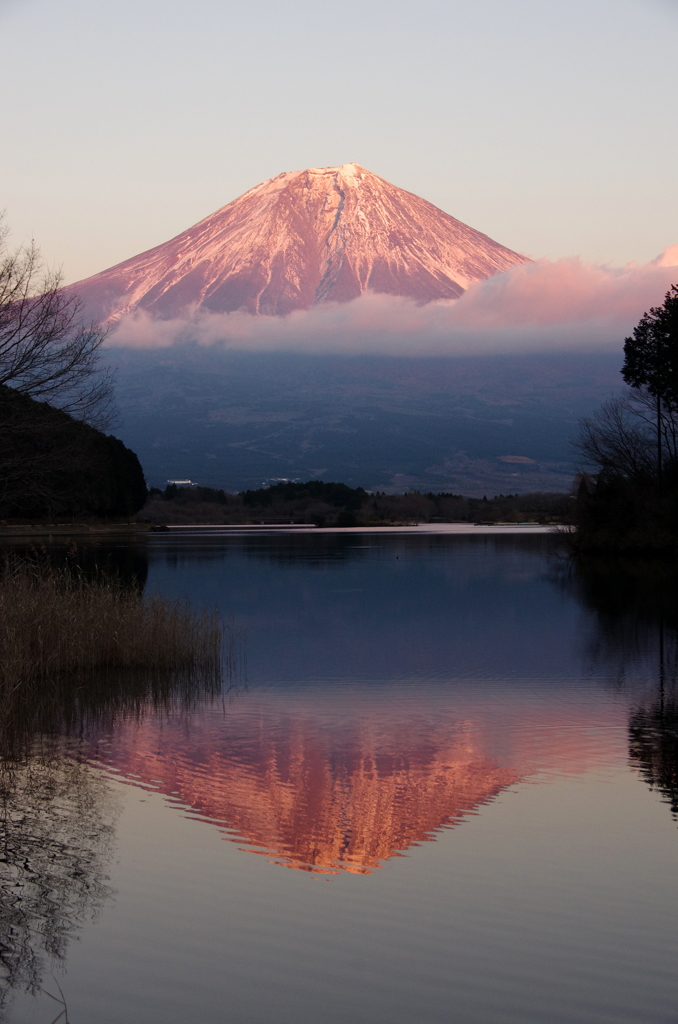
x=659, y=440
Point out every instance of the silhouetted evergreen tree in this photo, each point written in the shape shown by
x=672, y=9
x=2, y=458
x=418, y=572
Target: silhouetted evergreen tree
x=631, y=503
x=651, y=360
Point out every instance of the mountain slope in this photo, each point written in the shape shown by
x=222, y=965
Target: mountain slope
x=236, y=419
x=304, y=237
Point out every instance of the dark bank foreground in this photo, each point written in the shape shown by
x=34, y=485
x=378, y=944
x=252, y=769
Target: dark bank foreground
x=53, y=465
x=437, y=783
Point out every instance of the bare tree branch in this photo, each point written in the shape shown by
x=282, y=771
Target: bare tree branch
x=47, y=350
x=620, y=439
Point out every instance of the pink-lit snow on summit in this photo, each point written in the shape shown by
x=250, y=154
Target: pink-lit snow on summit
x=303, y=238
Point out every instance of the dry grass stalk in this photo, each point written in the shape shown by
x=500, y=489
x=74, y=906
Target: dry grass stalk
x=54, y=622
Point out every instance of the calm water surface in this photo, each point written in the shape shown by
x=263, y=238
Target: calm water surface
x=439, y=785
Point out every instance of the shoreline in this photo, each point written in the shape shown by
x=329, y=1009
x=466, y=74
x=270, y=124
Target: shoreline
x=122, y=529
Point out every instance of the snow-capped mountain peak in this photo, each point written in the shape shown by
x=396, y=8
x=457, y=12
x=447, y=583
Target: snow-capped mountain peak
x=325, y=234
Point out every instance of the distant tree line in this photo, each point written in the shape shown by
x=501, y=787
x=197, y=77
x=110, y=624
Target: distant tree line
x=190, y=494
x=339, y=496
x=326, y=503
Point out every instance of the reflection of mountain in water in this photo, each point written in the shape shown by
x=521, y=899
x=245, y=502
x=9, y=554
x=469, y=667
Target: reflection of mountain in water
x=57, y=815
x=331, y=779
x=316, y=801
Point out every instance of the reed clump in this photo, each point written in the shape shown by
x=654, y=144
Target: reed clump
x=56, y=622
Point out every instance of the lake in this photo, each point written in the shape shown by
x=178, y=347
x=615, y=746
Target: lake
x=438, y=785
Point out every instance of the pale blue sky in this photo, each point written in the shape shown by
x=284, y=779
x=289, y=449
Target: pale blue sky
x=552, y=125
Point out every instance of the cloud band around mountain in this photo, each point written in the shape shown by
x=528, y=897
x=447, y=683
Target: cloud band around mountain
x=535, y=307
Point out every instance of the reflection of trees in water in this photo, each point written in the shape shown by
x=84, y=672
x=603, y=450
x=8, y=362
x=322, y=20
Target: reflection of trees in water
x=635, y=604
x=74, y=701
x=81, y=707
x=57, y=820
x=318, y=550
x=653, y=746
x=127, y=563
x=57, y=816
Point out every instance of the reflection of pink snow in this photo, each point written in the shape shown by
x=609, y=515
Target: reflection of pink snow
x=343, y=779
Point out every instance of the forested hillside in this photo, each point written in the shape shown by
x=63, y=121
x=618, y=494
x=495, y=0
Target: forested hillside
x=54, y=465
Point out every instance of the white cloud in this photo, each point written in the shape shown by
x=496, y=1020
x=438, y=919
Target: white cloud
x=542, y=306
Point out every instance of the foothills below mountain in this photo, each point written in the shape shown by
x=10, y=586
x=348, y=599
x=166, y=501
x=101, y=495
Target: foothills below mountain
x=304, y=237
x=474, y=426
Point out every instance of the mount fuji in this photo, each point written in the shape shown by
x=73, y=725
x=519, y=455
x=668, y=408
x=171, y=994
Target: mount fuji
x=302, y=238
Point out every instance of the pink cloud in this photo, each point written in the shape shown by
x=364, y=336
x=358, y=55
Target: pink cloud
x=540, y=306
x=565, y=291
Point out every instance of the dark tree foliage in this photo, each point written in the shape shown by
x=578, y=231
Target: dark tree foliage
x=651, y=362
x=52, y=464
x=626, y=504
x=626, y=515
x=191, y=495
x=651, y=354
x=631, y=501
x=332, y=504
x=338, y=495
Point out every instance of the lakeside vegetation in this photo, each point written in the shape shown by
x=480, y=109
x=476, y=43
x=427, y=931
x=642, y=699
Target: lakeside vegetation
x=66, y=636
x=335, y=504
x=56, y=463
x=629, y=503
x=53, y=465
x=56, y=400
x=55, y=621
